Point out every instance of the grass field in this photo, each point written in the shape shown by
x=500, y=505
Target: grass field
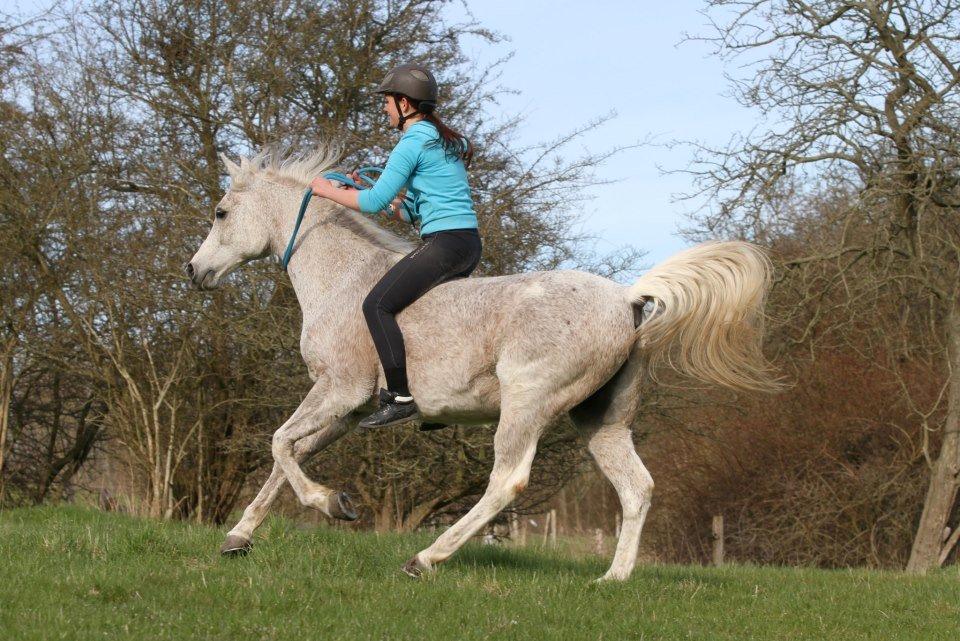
x=69, y=573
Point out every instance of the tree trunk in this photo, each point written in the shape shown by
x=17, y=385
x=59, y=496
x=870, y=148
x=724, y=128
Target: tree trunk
x=6, y=395
x=384, y=519
x=419, y=513
x=945, y=475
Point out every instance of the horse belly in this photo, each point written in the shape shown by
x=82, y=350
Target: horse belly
x=451, y=373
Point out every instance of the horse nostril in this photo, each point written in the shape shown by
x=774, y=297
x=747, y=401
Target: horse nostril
x=189, y=269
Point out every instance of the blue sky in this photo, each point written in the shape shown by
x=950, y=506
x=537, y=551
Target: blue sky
x=625, y=56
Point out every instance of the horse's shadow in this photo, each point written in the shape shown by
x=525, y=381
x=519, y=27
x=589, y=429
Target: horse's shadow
x=532, y=560
x=527, y=560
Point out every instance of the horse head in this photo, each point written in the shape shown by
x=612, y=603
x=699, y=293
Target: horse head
x=241, y=230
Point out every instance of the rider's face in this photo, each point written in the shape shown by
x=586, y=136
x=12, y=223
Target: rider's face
x=390, y=108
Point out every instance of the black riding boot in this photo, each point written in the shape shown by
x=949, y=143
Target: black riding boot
x=392, y=411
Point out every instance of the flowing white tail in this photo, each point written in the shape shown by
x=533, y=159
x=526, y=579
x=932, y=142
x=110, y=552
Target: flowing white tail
x=708, y=321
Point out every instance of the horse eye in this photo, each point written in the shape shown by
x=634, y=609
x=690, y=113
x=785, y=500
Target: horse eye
x=220, y=213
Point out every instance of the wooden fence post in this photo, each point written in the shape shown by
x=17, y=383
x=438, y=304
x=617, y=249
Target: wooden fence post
x=718, y=540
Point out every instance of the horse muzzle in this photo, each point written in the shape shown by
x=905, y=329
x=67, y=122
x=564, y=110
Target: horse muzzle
x=202, y=281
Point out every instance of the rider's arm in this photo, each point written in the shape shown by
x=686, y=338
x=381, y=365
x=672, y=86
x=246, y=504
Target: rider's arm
x=346, y=197
x=400, y=165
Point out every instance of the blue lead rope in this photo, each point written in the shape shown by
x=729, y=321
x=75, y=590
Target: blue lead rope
x=364, y=173
x=369, y=181
x=307, y=195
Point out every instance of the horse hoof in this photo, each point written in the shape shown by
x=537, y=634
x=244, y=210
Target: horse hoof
x=414, y=568
x=341, y=507
x=235, y=546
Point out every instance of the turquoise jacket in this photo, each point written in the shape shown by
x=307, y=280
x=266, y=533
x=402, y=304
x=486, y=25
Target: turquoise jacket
x=436, y=180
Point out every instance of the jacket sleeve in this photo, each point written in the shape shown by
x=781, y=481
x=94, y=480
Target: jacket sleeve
x=400, y=165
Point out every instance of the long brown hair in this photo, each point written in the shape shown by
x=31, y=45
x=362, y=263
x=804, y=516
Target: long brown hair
x=454, y=143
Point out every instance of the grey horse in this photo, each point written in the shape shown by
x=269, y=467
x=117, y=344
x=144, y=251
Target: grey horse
x=519, y=350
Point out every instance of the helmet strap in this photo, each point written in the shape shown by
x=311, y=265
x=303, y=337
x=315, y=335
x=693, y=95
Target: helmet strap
x=401, y=117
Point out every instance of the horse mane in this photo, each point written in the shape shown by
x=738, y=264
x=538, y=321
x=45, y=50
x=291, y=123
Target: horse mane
x=297, y=170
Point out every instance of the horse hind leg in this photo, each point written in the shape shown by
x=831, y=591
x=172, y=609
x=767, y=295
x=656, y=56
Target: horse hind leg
x=514, y=446
x=612, y=449
x=605, y=418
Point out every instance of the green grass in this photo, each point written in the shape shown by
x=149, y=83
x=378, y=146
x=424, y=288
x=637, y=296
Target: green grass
x=69, y=573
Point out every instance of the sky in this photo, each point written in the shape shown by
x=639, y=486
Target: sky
x=621, y=56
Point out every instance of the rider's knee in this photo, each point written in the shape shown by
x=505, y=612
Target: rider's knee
x=370, y=305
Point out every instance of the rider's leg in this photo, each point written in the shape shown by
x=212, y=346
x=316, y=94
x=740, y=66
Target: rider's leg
x=443, y=256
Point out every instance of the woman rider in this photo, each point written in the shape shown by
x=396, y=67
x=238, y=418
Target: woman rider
x=430, y=162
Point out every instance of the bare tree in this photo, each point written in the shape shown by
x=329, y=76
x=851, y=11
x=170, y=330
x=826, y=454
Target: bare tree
x=49, y=420
x=859, y=95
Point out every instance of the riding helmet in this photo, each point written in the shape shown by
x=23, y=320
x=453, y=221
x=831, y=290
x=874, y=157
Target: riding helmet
x=413, y=81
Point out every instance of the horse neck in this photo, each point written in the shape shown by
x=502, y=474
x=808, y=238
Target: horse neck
x=327, y=257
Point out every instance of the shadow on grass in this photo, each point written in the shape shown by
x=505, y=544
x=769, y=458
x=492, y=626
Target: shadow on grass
x=546, y=561
x=492, y=556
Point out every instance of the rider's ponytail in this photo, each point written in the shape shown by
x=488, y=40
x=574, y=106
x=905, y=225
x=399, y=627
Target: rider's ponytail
x=453, y=142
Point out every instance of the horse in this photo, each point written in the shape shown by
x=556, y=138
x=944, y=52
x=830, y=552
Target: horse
x=519, y=350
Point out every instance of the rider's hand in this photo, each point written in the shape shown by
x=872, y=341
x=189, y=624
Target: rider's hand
x=355, y=177
x=395, y=211
x=396, y=206
x=321, y=185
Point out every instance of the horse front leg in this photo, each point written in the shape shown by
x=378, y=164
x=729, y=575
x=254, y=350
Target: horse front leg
x=327, y=403
x=240, y=539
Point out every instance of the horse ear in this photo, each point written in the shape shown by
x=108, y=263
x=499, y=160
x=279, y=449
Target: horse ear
x=232, y=168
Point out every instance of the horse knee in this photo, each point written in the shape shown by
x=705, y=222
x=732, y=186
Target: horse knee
x=281, y=446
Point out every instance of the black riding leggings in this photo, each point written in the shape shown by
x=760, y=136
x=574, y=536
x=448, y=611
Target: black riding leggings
x=443, y=256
